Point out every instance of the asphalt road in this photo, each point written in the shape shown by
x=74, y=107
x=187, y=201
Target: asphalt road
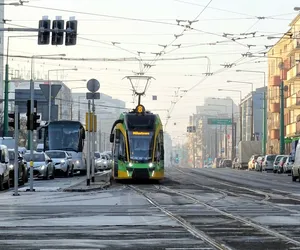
x=190, y=209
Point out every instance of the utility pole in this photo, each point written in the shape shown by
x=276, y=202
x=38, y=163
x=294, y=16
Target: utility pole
x=88, y=167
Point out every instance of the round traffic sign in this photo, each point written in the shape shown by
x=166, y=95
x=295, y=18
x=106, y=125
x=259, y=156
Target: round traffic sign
x=93, y=85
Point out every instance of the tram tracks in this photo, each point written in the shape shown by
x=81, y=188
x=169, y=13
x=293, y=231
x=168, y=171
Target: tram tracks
x=236, y=228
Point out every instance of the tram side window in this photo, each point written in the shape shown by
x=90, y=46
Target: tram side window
x=162, y=151
x=122, y=154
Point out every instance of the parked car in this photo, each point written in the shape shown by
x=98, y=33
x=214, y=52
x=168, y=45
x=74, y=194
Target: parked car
x=251, y=163
x=62, y=161
x=221, y=163
x=22, y=167
x=258, y=163
x=216, y=162
x=109, y=160
x=227, y=163
x=288, y=165
x=281, y=163
x=101, y=162
x=4, y=169
x=235, y=163
x=42, y=165
x=276, y=163
x=268, y=162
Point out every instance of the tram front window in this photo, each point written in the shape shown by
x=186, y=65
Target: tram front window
x=141, y=147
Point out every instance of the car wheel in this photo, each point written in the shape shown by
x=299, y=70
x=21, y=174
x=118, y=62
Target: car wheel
x=1, y=183
x=67, y=172
x=53, y=174
x=47, y=175
x=293, y=177
x=72, y=172
x=7, y=184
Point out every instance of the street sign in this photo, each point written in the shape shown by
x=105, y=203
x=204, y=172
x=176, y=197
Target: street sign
x=91, y=96
x=93, y=85
x=219, y=121
x=191, y=129
x=55, y=88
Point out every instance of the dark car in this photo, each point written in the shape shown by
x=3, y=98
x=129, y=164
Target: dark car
x=227, y=163
x=23, y=176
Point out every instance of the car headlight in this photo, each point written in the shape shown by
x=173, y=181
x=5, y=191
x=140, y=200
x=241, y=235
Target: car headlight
x=42, y=167
x=11, y=166
x=105, y=162
x=63, y=161
x=77, y=162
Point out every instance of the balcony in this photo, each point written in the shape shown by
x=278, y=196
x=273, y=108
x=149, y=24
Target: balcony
x=274, y=134
x=293, y=101
x=295, y=46
x=274, y=81
x=274, y=107
x=294, y=73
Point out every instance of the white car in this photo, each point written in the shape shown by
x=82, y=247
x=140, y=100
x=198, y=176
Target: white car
x=101, y=161
x=42, y=165
x=62, y=161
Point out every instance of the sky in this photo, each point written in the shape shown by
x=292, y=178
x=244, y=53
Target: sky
x=115, y=29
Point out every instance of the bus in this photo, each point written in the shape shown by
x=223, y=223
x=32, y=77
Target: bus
x=137, y=146
x=68, y=136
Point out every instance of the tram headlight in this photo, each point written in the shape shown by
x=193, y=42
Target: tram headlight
x=130, y=164
x=151, y=166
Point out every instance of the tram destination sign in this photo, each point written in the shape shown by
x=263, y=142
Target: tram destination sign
x=219, y=121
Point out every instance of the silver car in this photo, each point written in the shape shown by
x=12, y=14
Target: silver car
x=62, y=161
x=267, y=164
x=288, y=165
x=42, y=165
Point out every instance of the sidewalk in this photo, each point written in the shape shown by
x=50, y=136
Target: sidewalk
x=102, y=180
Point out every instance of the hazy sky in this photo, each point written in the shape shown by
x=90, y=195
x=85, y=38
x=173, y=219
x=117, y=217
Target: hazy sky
x=98, y=27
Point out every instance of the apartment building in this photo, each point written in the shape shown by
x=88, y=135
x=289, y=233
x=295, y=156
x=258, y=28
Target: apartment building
x=284, y=65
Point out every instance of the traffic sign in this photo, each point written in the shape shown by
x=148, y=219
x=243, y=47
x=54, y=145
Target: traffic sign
x=93, y=85
x=55, y=88
x=90, y=96
x=219, y=121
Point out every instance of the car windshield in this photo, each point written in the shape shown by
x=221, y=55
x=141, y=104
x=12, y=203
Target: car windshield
x=11, y=155
x=97, y=155
x=36, y=157
x=271, y=157
x=56, y=154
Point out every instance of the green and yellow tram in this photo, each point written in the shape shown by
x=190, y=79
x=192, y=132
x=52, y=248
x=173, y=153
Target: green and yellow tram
x=138, y=145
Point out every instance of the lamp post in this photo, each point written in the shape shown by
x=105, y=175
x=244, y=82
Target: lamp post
x=50, y=94
x=252, y=106
x=281, y=88
x=264, y=138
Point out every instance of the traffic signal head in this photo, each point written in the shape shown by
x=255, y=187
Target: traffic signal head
x=58, y=33
x=44, y=32
x=36, y=124
x=71, y=35
x=11, y=122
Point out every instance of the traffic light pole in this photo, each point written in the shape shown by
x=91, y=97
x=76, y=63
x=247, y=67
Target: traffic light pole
x=16, y=163
x=88, y=167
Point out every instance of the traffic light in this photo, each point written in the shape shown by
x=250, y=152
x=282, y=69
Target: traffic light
x=11, y=123
x=32, y=118
x=44, y=32
x=36, y=124
x=58, y=32
x=71, y=35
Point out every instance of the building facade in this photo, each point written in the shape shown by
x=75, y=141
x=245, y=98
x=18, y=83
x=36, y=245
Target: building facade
x=246, y=110
x=210, y=141
x=284, y=65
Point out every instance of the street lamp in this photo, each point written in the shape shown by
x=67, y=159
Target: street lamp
x=281, y=67
x=49, y=83
x=264, y=139
x=252, y=108
x=6, y=81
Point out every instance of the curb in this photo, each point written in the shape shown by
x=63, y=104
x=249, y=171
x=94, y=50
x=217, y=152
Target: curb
x=106, y=185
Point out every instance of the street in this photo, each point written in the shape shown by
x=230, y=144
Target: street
x=190, y=209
